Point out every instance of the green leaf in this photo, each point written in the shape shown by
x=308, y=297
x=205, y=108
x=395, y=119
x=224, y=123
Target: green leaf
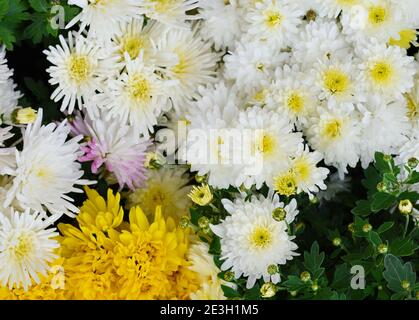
x=380, y=164
x=374, y=238
x=342, y=277
x=7, y=37
x=402, y=247
x=39, y=5
x=389, y=178
x=382, y=200
x=294, y=283
x=230, y=292
x=385, y=226
x=395, y=273
x=37, y=29
x=372, y=178
x=414, y=178
x=313, y=261
x=215, y=247
x=409, y=195
x=253, y=294
x=363, y=208
x=4, y=8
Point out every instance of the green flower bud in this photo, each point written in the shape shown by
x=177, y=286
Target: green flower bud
x=337, y=242
x=273, y=269
x=366, y=227
x=305, y=276
x=279, y=214
x=268, y=290
x=405, y=285
x=203, y=222
x=382, y=248
x=229, y=276
x=405, y=207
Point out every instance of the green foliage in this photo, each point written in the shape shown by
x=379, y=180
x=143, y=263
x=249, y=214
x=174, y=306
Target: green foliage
x=31, y=20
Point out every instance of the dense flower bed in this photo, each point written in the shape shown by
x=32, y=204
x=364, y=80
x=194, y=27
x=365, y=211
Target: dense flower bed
x=209, y=149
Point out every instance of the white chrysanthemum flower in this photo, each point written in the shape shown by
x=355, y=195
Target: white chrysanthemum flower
x=379, y=19
x=271, y=144
x=309, y=178
x=103, y=16
x=386, y=70
x=385, y=126
x=252, y=240
x=221, y=22
x=167, y=187
x=79, y=69
x=47, y=170
x=170, y=12
x=251, y=63
x=291, y=94
x=332, y=8
x=334, y=81
x=336, y=133
x=193, y=63
x=137, y=97
x=5, y=72
x=7, y=155
x=320, y=40
x=208, y=147
x=9, y=99
x=136, y=37
x=202, y=263
x=274, y=21
x=5, y=134
x=27, y=246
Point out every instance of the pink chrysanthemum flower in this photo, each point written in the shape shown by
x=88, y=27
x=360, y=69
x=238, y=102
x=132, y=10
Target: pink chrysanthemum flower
x=117, y=147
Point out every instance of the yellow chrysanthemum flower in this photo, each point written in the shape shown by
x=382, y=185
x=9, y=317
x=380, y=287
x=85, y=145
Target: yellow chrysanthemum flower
x=142, y=259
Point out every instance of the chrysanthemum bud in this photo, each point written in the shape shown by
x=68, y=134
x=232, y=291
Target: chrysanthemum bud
x=200, y=179
x=387, y=158
x=381, y=187
x=279, y=214
x=337, y=242
x=305, y=276
x=273, y=269
x=382, y=248
x=366, y=227
x=23, y=115
x=413, y=163
x=314, y=286
x=268, y=290
x=293, y=293
x=311, y=15
x=154, y=160
x=203, y=222
x=314, y=200
x=351, y=227
x=405, y=284
x=184, y=222
x=405, y=207
x=229, y=276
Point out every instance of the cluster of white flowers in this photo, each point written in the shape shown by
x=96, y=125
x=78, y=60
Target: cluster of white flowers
x=270, y=93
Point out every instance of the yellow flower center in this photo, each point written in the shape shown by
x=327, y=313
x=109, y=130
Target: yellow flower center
x=260, y=96
x=332, y=129
x=347, y=2
x=132, y=45
x=295, y=102
x=336, y=81
x=285, y=184
x=139, y=88
x=164, y=5
x=273, y=18
x=23, y=248
x=267, y=144
x=261, y=238
x=79, y=68
x=302, y=169
x=381, y=72
x=377, y=15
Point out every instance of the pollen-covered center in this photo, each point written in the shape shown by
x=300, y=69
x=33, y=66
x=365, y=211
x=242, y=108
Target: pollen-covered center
x=336, y=81
x=302, y=169
x=381, y=72
x=295, y=102
x=332, y=129
x=261, y=238
x=377, y=15
x=412, y=107
x=132, y=45
x=267, y=144
x=79, y=68
x=273, y=18
x=139, y=88
x=22, y=247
